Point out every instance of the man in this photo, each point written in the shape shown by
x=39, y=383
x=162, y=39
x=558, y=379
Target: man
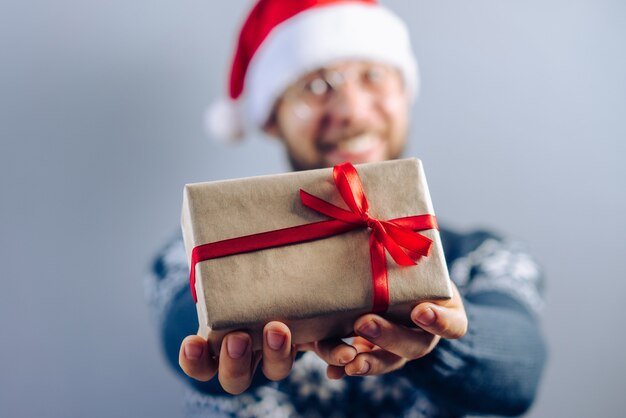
x=334, y=81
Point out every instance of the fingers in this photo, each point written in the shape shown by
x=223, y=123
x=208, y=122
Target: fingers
x=195, y=360
x=448, y=320
x=360, y=345
x=335, y=352
x=409, y=343
x=335, y=372
x=236, y=362
x=278, y=353
x=439, y=320
x=374, y=363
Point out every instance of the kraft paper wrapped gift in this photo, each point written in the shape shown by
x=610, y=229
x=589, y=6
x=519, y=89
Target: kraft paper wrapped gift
x=318, y=287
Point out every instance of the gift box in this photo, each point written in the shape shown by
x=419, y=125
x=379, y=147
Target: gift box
x=312, y=250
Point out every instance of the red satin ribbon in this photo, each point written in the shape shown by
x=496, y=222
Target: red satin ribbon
x=396, y=235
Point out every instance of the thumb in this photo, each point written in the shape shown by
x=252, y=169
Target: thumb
x=446, y=322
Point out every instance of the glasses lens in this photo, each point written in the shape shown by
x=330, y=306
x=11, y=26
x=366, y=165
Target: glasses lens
x=336, y=79
x=372, y=78
x=374, y=75
x=317, y=87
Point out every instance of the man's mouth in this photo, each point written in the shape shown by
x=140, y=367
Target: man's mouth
x=357, y=149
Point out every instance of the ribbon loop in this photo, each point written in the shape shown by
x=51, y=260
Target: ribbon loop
x=350, y=188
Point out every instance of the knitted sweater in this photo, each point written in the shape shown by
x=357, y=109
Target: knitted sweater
x=494, y=369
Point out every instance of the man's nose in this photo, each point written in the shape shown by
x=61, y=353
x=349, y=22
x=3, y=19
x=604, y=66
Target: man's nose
x=350, y=104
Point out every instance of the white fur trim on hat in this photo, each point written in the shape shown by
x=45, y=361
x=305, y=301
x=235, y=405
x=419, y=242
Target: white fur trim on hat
x=320, y=36
x=223, y=121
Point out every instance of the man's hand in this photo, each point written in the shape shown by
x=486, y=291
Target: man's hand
x=237, y=362
x=382, y=346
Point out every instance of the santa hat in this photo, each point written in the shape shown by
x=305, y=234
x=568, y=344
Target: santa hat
x=281, y=40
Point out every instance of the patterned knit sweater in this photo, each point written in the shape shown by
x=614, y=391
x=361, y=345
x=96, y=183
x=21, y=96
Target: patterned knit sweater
x=493, y=370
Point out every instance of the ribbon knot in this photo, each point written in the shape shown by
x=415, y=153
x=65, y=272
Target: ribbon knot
x=371, y=222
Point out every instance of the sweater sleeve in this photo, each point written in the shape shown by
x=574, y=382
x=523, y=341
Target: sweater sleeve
x=496, y=367
x=173, y=310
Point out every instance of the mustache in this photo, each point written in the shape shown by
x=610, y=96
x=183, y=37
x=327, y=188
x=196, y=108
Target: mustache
x=330, y=142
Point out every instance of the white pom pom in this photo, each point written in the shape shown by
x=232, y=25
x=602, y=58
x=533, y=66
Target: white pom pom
x=223, y=121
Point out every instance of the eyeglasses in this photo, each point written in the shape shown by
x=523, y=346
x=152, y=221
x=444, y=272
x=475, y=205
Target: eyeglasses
x=321, y=86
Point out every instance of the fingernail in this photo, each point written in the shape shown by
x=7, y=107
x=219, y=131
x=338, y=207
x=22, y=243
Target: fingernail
x=364, y=368
x=193, y=351
x=426, y=317
x=275, y=340
x=236, y=346
x=370, y=330
x=343, y=360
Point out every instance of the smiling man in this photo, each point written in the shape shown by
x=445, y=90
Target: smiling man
x=334, y=81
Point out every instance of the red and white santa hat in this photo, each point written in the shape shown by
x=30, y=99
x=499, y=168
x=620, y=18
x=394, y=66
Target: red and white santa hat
x=281, y=40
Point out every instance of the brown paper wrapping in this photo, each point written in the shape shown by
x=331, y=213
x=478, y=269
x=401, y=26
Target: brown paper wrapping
x=317, y=288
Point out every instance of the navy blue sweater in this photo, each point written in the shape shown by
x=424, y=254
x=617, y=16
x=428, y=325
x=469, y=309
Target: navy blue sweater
x=493, y=370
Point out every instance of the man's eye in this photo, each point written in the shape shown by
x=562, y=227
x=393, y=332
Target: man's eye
x=317, y=87
x=374, y=75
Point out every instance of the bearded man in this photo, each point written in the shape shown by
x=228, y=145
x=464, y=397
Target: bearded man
x=334, y=81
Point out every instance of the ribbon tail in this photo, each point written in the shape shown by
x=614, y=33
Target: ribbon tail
x=399, y=256
x=412, y=241
x=380, y=285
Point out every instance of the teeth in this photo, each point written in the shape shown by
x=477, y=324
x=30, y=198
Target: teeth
x=357, y=144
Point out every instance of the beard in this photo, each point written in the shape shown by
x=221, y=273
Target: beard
x=301, y=166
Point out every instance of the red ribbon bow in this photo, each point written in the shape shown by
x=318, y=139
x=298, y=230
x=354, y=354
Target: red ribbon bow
x=396, y=235
x=389, y=235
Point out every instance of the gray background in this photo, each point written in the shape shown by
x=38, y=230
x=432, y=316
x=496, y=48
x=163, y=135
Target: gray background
x=520, y=126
